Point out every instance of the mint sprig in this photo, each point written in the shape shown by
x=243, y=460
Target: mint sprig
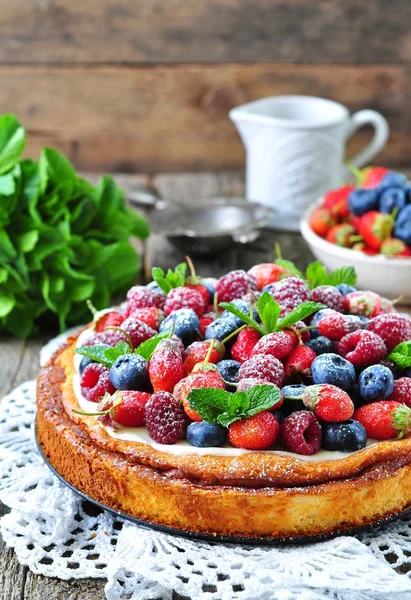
x=147, y=348
x=223, y=408
x=171, y=279
x=401, y=355
x=269, y=312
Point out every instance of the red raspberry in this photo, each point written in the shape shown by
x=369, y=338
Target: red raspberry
x=362, y=348
x=364, y=303
x=196, y=380
x=299, y=362
x=109, y=319
x=328, y=295
x=258, y=432
x=263, y=367
x=95, y=382
x=266, y=273
x=279, y=344
x=402, y=391
x=165, y=419
x=205, y=320
x=110, y=337
x=166, y=366
x=137, y=330
x=290, y=293
x=335, y=326
x=197, y=351
x=250, y=382
x=301, y=433
x=243, y=346
x=184, y=297
x=384, y=419
x=150, y=316
x=392, y=328
x=328, y=402
x=129, y=412
x=142, y=297
x=235, y=285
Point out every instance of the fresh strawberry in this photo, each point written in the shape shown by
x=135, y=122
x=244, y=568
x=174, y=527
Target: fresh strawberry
x=258, y=432
x=235, y=285
x=244, y=344
x=372, y=176
x=335, y=326
x=126, y=408
x=265, y=367
x=197, y=379
x=322, y=220
x=392, y=328
x=328, y=295
x=362, y=348
x=267, y=273
x=194, y=282
x=336, y=201
x=385, y=419
x=166, y=366
x=184, y=297
x=290, y=293
x=205, y=321
x=343, y=235
x=279, y=344
x=328, y=402
x=298, y=363
x=142, y=297
x=361, y=247
x=374, y=227
x=165, y=419
x=364, y=303
x=109, y=319
x=301, y=433
x=402, y=391
x=395, y=247
x=197, y=352
x=150, y=316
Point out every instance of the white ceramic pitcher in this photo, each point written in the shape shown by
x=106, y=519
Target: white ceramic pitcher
x=296, y=147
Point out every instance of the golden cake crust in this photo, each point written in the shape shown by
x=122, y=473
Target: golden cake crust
x=253, y=495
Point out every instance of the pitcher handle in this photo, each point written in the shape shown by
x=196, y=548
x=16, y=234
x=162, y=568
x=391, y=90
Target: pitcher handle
x=381, y=133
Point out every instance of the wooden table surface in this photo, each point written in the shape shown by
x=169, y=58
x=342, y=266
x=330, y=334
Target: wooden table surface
x=19, y=359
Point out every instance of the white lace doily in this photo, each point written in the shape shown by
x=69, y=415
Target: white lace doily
x=55, y=533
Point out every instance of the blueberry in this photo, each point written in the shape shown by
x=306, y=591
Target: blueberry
x=228, y=370
x=407, y=372
x=345, y=289
x=402, y=228
x=129, y=372
x=204, y=435
x=278, y=415
x=154, y=287
x=321, y=345
x=345, y=436
x=356, y=396
x=244, y=307
x=361, y=201
x=334, y=369
x=292, y=398
x=317, y=318
x=220, y=329
x=391, y=179
x=208, y=283
x=376, y=383
x=391, y=198
x=185, y=323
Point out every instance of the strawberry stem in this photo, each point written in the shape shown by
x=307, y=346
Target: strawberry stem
x=209, y=351
x=190, y=263
x=90, y=414
x=358, y=174
x=226, y=339
x=215, y=303
x=92, y=308
x=200, y=335
x=277, y=250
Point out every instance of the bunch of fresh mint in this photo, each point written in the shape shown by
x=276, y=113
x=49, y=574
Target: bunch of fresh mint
x=62, y=240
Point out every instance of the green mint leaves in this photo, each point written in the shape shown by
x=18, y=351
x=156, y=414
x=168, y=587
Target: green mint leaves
x=108, y=356
x=223, y=408
x=401, y=355
x=269, y=312
x=172, y=279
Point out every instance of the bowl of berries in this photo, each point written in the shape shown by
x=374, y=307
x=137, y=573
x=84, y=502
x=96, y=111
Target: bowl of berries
x=367, y=226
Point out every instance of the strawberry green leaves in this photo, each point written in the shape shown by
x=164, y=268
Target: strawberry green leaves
x=223, y=408
x=401, y=355
x=172, y=279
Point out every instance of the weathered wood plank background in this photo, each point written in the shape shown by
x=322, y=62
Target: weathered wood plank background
x=146, y=86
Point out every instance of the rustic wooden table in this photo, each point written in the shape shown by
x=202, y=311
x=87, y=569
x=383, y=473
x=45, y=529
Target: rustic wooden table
x=19, y=359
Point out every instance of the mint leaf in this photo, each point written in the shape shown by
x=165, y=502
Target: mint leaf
x=315, y=274
x=172, y=279
x=300, y=313
x=232, y=308
x=96, y=353
x=343, y=275
x=401, y=355
x=261, y=397
x=210, y=403
x=269, y=311
x=146, y=349
x=121, y=348
x=290, y=266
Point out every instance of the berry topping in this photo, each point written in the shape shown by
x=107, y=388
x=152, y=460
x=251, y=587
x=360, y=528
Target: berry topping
x=95, y=382
x=197, y=380
x=129, y=372
x=334, y=369
x=235, y=285
x=364, y=303
x=362, y=348
x=184, y=297
x=266, y=273
x=166, y=366
x=335, y=326
x=289, y=293
x=385, y=419
x=243, y=347
x=126, y=408
x=392, y=328
x=301, y=433
x=328, y=402
x=376, y=383
x=258, y=432
x=165, y=419
x=197, y=352
x=264, y=367
x=328, y=295
x=279, y=344
x=143, y=297
x=184, y=322
x=292, y=395
x=321, y=345
x=109, y=319
x=150, y=316
x=402, y=391
x=206, y=435
x=299, y=362
x=347, y=436
x=137, y=331
x=229, y=370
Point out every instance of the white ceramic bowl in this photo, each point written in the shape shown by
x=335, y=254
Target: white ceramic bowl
x=389, y=277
